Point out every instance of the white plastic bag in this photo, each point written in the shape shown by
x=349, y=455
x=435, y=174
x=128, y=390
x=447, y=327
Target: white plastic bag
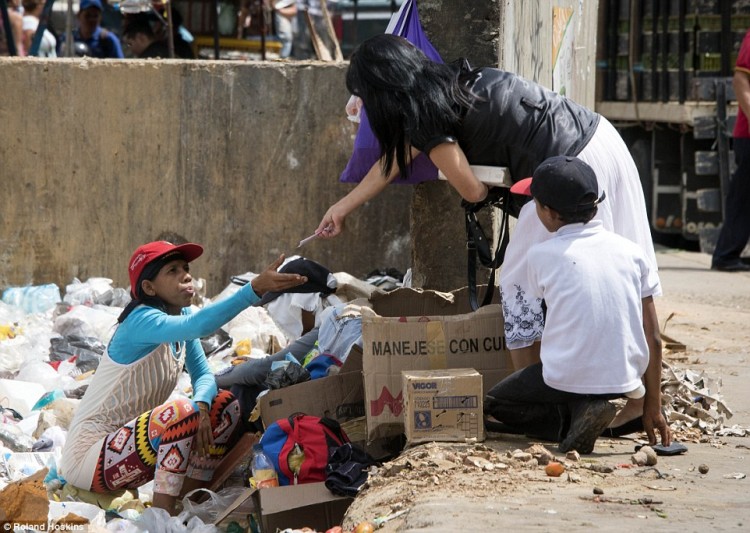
x=95, y=515
x=33, y=298
x=97, y=321
x=156, y=520
x=95, y=291
x=217, y=502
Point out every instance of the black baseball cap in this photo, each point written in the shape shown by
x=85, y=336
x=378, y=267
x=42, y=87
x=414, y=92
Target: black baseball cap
x=564, y=183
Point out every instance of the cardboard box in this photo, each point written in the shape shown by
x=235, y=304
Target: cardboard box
x=443, y=405
x=340, y=397
x=295, y=506
x=409, y=329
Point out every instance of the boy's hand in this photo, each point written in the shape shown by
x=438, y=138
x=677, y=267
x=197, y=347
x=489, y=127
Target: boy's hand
x=653, y=422
x=271, y=280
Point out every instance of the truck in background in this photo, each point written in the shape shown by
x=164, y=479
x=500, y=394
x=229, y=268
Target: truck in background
x=665, y=72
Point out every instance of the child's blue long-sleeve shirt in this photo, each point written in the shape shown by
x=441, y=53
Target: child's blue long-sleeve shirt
x=147, y=327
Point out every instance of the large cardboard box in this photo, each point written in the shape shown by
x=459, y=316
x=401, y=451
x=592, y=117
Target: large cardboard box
x=295, y=506
x=410, y=329
x=340, y=397
x=443, y=405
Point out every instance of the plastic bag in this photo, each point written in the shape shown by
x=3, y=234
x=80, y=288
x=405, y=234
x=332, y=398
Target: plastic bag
x=13, y=353
x=287, y=374
x=98, y=321
x=366, y=153
x=64, y=347
x=58, y=510
x=34, y=298
x=208, y=510
x=155, y=520
x=218, y=340
x=95, y=291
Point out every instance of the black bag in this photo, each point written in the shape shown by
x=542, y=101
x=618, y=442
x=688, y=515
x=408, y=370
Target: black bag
x=477, y=244
x=347, y=469
x=287, y=375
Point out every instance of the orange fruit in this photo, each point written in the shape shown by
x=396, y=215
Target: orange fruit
x=554, y=469
x=365, y=527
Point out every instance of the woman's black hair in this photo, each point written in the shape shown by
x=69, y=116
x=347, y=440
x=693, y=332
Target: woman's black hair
x=149, y=273
x=404, y=93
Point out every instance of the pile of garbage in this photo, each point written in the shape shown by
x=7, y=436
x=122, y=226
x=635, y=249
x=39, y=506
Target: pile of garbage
x=696, y=409
x=50, y=346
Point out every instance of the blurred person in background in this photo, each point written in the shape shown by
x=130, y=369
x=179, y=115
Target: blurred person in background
x=735, y=229
x=90, y=38
x=16, y=27
x=285, y=22
x=32, y=10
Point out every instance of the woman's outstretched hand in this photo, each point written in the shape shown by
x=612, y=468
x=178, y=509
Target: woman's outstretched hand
x=272, y=280
x=332, y=223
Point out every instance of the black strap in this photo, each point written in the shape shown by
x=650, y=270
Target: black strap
x=334, y=427
x=478, y=246
x=330, y=423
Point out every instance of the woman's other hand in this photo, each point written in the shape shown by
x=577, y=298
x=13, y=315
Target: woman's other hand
x=451, y=160
x=204, y=439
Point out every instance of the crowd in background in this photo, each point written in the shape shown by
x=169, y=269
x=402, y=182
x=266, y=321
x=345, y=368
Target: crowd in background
x=101, y=30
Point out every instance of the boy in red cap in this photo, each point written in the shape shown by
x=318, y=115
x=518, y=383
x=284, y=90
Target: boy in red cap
x=127, y=431
x=601, y=336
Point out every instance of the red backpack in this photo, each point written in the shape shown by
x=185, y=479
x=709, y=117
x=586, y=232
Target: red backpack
x=312, y=436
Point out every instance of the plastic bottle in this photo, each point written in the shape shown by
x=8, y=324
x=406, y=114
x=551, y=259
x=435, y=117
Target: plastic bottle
x=33, y=298
x=295, y=459
x=263, y=471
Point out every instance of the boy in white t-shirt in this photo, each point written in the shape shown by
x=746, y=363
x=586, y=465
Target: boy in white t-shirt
x=601, y=338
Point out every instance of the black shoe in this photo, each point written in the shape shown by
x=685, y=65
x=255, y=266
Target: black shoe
x=731, y=266
x=633, y=426
x=587, y=421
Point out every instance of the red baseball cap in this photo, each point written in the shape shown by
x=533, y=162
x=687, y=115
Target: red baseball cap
x=148, y=253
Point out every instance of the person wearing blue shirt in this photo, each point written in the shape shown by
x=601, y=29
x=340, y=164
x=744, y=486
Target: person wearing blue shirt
x=129, y=427
x=90, y=38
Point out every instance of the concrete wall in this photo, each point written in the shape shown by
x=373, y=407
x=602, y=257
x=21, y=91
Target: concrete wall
x=97, y=157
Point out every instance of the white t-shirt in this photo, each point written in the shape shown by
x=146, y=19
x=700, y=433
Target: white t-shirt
x=592, y=281
x=48, y=44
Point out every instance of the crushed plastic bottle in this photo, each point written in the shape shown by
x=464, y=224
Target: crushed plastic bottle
x=295, y=459
x=263, y=470
x=33, y=298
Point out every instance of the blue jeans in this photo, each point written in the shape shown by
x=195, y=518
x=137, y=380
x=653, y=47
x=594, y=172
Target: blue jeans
x=248, y=379
x=339, y=334
x=285, y=32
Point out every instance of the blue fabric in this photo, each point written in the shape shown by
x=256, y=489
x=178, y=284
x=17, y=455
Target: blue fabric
x=338, y=335
x=96, y=44
x=272, y=442
x=366, y=147
x=146, y=328
x=318, y=367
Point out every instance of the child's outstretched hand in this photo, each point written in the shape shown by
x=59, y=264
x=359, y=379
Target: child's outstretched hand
x=271, y=280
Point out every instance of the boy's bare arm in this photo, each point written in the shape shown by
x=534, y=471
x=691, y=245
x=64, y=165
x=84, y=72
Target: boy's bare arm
x=653, y=419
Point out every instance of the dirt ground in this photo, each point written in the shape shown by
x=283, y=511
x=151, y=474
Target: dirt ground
x=461, y=487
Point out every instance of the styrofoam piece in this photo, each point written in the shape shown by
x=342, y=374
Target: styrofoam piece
x=20, y=395
x=492, y=176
